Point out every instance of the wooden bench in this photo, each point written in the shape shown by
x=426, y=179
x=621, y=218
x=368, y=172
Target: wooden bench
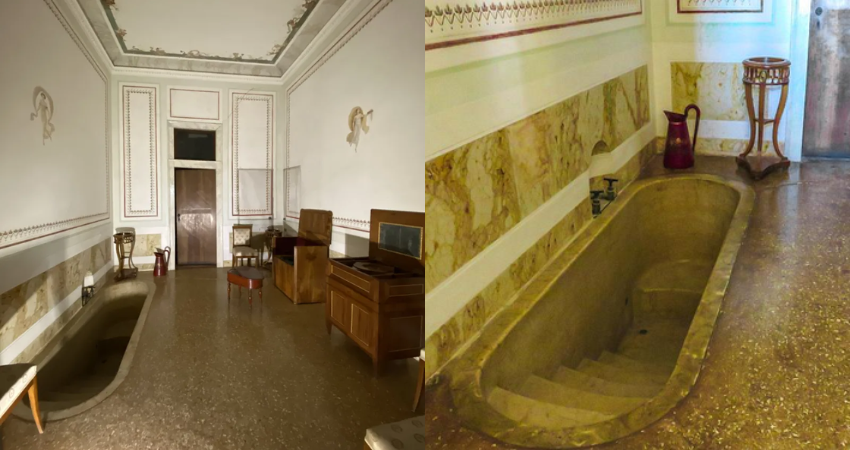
x=17, y=380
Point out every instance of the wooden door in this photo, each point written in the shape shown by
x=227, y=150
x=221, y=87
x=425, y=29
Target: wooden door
x=194, y=206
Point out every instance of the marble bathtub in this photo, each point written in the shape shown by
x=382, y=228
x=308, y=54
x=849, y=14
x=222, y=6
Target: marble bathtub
x=91, y=356
x=612, y=333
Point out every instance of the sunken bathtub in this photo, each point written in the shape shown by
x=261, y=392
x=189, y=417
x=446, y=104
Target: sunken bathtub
x=91, y=356
x=611, y=334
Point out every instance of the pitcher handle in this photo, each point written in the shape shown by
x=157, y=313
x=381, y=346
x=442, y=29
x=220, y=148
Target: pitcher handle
x=696, y=127
x=167, y=252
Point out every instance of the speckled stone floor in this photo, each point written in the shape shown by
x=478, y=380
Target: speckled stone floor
x=208, y=375
x=777, y=375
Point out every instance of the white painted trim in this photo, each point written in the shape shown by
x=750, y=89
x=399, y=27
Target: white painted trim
x=444, y=301
x=443, y=58
x=611, y=162
x=13, y=350
x=457, y=126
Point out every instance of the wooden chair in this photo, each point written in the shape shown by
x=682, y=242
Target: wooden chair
x=17, y=380
x=242, y=245
x=300, y=263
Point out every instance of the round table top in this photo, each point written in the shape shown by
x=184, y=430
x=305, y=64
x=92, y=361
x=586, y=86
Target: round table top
x=251, y=273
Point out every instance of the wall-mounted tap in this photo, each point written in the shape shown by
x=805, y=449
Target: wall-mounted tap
x=610, y=192
x=596, y=202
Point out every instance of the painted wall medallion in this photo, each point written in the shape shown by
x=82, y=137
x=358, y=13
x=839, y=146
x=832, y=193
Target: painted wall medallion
x=42, y=104
x=357, y=121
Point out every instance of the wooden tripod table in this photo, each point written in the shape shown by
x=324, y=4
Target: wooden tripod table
x=247, y=277
x=764, y=72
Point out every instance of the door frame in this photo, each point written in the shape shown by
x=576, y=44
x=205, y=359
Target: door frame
x=216, y=165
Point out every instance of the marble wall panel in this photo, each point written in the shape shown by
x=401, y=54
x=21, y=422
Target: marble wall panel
x=22, y=306
x=479, y=191
x=146, y=244
x=717, y=88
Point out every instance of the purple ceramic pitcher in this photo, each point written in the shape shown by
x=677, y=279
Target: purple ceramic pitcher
x=679, y=151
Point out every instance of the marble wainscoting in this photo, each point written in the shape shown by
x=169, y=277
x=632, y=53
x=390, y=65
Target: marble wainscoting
x=449, y=338
x=146, y=244
x=479, y=191
x=630, y=171
x=22, y=306
x=717, y=88
x=444, y=343
x=718, y=146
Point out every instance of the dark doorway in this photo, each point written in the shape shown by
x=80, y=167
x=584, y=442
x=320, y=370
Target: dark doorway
x=195, y=209
x=195, y=145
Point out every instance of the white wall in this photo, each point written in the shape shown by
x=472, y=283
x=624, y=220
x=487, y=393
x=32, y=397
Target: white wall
x=377, y=65
x=54, y=187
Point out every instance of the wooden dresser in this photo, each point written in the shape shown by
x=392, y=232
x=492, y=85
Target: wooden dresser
x=379, y=301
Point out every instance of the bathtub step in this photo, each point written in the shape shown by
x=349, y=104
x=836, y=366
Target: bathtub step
x=577, y=380
x=529, y=411
x=552, y=392
x=660, y=342
x=633, y=364
x=618, y=374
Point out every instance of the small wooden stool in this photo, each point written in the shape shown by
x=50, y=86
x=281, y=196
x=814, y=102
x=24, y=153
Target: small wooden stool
x=248, y=277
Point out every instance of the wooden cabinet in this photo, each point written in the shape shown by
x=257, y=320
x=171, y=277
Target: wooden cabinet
x=384, y=314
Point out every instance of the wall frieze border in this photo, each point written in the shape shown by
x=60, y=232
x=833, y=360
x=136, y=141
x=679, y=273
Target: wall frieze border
x=470, y=21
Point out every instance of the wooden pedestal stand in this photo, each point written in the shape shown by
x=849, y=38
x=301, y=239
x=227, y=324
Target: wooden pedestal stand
x=764, y=72
x=126, y=268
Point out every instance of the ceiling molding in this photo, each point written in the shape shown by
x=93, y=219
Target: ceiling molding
x=102, y=29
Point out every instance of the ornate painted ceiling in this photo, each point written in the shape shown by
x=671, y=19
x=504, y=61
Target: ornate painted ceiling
x=244, y=37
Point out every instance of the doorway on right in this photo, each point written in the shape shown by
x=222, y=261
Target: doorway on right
x=827, y=123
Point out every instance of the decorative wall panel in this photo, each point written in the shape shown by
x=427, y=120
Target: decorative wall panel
x=721, y=10
x=140, y=151
x=194, y=104
x=466, y=21
x=55, y=174
x=252, y=152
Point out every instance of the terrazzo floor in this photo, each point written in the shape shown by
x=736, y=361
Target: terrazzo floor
x=209, y=374
x=777, y=375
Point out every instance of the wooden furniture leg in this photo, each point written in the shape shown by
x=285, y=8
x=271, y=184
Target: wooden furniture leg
x=228, y=291
x=420, y=385
x=250, y=294
x=748, y=88
x=233, y=262
x=778, y=119
x=36, y=414
x=761, y=118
